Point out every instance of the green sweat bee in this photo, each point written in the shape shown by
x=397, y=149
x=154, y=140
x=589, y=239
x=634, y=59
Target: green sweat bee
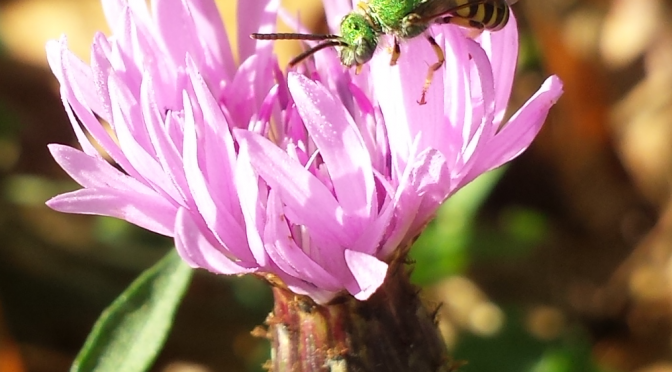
x=403, y=19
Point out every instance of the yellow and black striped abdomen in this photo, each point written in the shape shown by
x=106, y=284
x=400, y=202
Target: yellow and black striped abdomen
x=481, y=14
x=491, y=14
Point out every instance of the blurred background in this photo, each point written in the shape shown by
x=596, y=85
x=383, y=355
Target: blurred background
x=560, y=262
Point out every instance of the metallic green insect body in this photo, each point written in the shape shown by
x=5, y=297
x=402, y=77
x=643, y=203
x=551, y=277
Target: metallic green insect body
x=403, y=19
x=396, y=17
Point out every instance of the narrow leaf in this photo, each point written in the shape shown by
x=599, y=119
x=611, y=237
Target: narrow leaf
x=129, y=334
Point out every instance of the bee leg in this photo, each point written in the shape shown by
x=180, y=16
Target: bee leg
x=396, y=52
x=441, y=58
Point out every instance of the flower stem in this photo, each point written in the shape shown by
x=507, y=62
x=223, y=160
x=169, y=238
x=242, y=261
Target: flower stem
x=391, y=331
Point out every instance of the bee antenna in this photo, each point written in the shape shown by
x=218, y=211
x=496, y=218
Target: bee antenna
x=293, y=36
x=331, y=43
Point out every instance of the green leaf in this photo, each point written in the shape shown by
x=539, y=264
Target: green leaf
x=129, y=334
x=443, y=247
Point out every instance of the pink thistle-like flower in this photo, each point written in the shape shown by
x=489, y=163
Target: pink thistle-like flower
x=316, y=180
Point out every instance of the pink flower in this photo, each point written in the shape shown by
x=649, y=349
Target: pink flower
x=319, y=181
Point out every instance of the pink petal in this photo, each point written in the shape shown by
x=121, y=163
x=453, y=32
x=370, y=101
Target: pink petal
x=309, y=200
x=167, y=154
x=340, y=145
x=287, y=255
x=109, y=192
x=369, y=273
x=478, y=127
x=502, y=49
x=218, y=155
x=197, y=251
x=93, y=171
x=519, y=132
x=60, y=59
x=128, y=56
x=214, y=39
x=101, y=68
x=79, y=112
x=129, y=128
x=175, y=25
x=431, y=179
x=253, y=204
x=370, y=240
x=215, y=213
x=406, y=203
x=67, y=66
x=150, y=212
x=336, y=10
x=115, y=11
x=425, y=185
x=457, y=93
x=243, y=96
x=302, y=287
x=397, y=90
x=259, y=16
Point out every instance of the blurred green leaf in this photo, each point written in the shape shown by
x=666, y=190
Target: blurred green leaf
x=573, y=353
x=126, y=237
x=29, y=190
x=524, y=225
x=516, y=234
x=130, y=333
x=515, y=349
x=251, y=292
x=529, y=55
x=512, y=349
x=441, y=250
x=9, y=119
x=9, y=133
x=468, y=200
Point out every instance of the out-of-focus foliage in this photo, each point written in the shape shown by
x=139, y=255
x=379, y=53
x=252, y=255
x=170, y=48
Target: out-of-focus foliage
x=444, y=247
x=514, y=348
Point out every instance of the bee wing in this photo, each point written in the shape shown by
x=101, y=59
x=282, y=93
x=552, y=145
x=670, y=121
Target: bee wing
x=432, y=9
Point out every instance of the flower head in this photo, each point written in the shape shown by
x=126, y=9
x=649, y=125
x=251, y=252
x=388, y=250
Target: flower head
x=318, y=178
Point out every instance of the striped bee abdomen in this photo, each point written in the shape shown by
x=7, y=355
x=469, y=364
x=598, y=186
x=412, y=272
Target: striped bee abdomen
x=490, y=15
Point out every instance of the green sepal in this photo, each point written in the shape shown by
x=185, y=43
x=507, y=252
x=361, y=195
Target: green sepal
x=130, y=332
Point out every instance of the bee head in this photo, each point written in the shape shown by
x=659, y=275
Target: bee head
x=359, y=38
